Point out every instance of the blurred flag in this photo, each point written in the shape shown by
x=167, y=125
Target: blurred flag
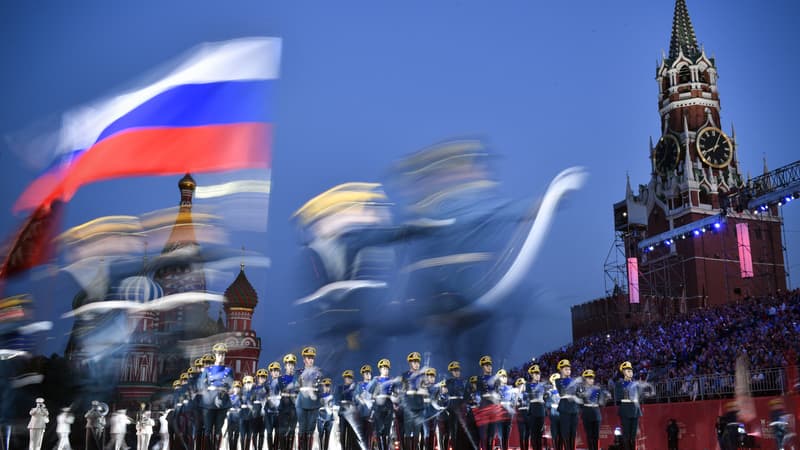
x=211, y=113
x=33, y=243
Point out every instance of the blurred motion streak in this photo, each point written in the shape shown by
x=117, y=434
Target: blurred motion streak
x=461, y=251
x=159, y=304
x=233, y=187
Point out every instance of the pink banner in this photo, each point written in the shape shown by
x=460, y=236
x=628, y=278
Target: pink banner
x=745, y=258
x=633, y=280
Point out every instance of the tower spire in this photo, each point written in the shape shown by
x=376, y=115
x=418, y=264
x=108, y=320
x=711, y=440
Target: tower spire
x=683, y=37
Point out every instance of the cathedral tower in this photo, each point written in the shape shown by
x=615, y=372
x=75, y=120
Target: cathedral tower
x=244, y=347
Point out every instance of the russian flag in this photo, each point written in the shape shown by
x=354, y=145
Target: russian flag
x=211, y=113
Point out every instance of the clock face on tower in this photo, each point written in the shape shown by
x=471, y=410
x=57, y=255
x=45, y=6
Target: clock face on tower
x=667, y=153
x=714, y=147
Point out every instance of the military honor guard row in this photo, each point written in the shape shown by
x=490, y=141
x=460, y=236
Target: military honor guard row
x=284, y=407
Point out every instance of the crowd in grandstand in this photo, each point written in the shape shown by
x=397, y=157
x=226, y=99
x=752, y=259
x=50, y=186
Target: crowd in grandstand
x=701, y=342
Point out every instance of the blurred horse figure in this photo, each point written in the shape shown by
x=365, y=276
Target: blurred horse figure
x=445, y=271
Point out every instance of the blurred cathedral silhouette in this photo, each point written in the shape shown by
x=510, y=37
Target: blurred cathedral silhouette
x=129, y=358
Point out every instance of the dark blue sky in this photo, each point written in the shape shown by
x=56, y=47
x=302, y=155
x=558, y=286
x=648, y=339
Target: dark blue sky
x=550, y=84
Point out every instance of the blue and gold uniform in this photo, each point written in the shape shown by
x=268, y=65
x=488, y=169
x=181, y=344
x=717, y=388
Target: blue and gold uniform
x=383, y=392
x=435, y=400
x=568, y=407
x=197, y=420
x=213, y=385
x=521, y=404
x=593, y=398
x=272, y=405
x=325, y=417
x=363, y=401
x=536, y=406
x=287, y=413
x=412, y=404
x=627, y=397
x=233, y=415
x=258, y=406
x=344, y=397
x=552, y=399
x=308, y=399
x=486, y=391
x=472, y=398
x=455, y=433
x=507, y=398
x=181, y=425
x=246, y=411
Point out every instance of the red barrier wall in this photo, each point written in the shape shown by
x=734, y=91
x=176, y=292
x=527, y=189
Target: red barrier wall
x=696, y=421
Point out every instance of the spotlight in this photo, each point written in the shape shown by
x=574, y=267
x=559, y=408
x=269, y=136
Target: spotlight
x=696, y=232
x=717, y=225
x=667, y=243
x=703, y=230
x=780, y=203
x=788, y=198
x=651, y=248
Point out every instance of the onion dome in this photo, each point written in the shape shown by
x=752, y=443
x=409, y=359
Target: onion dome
x=140, y=289
x=187, y=182
x=240, y=294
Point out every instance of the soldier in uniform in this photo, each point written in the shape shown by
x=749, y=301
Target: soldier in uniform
x=627, y=399
x=246, y=411
x=164, y=430
x=196, y=408
x=180, y=420
x=214, y=384
x=258, y=405
x=485, y=389
x=382, y=389
x=553, y=399
x=272, y=405
x=308, y=400
x=568, y=404
x=117, y=428
x=536, y=410
x=144, y=430
x=473, y=398
x=435, y=399
x=364, y=401
x=287, y=413
x=507, y=401
x=348, y=416
x=413, y=405
x=521, y=402
x=778, y=424
x=592, y=397
x=95, y=425
x=234, y=417
x=39, y=419
x=325, y=417
x=64, y=423
x=454, y=435
x=730, y=421
x=171, y=416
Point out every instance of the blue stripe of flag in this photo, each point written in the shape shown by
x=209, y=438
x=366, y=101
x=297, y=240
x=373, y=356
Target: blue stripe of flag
x=193, y=105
